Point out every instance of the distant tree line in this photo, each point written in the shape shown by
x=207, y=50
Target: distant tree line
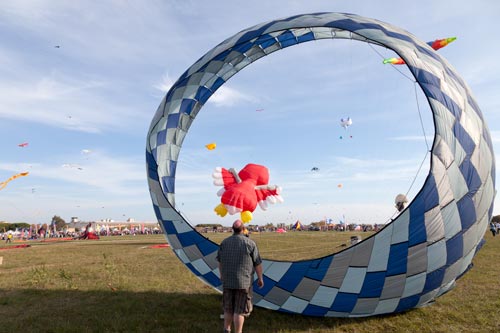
x=4, y=226
x=208, y=225
x=57, y=220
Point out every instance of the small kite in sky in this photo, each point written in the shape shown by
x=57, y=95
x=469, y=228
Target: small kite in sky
x=314, y=169
x=4, y=183
x=211, y=146
x=440, y=43
x=72, y=166
x=57, y=46
x=394, y=61
x=24, y=144
x=86, y=151
x=345, y=122
x=259, y=110
x=435, y=44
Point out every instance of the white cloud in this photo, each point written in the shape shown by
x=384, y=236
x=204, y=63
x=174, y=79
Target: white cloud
x=49, y=88
x=68, y=102
x=165, y=83
x=112, y=175
x=113, y=30
x=223, y=97
x=226, y=96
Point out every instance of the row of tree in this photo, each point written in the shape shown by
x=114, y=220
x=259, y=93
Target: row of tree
x=319, y=224
x=57, y=220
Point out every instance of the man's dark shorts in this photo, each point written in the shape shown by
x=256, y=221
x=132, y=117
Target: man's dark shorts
x=237, y=301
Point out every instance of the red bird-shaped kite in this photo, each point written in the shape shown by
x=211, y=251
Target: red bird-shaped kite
x=24, y=144
x=242, y=191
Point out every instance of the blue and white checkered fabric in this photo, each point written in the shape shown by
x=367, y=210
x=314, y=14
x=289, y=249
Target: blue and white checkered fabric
x=409, y=263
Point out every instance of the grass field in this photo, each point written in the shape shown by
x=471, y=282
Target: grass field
x=119, y=284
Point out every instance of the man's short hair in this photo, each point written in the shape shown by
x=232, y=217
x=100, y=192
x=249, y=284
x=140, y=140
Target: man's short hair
x=237, y=226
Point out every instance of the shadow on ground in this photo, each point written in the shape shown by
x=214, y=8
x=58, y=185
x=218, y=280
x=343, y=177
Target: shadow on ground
x=35, y=310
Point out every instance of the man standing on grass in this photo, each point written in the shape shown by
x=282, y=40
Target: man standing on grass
x=238, y=258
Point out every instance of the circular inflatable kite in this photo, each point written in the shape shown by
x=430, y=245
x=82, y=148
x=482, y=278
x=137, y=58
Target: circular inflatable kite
x=415, y=258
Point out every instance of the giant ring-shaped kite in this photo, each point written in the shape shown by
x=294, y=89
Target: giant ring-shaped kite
x=414, y=259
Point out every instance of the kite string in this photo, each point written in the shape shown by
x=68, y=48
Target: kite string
x=421, y=124
x=395, y=67
x=416, y=93
x=418, y=171
x=412, y=183
x=420, y=116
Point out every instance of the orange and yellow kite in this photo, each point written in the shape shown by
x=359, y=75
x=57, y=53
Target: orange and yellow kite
x=3, y=184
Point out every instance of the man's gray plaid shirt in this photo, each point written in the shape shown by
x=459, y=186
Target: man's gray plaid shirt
x=238, y=255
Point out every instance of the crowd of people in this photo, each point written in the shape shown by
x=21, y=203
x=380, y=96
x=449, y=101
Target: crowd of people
x=311, y=227
x=86, y=232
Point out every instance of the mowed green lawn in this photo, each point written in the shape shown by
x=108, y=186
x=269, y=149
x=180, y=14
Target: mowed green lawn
x=120, y=284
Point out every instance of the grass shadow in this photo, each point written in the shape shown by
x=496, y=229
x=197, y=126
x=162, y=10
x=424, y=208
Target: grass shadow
x=122, y=311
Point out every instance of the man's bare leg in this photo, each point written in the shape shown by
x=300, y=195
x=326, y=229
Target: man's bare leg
x=228, y=319
x=239, y=320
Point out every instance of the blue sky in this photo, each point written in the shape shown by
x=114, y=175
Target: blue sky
x=99, y=90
